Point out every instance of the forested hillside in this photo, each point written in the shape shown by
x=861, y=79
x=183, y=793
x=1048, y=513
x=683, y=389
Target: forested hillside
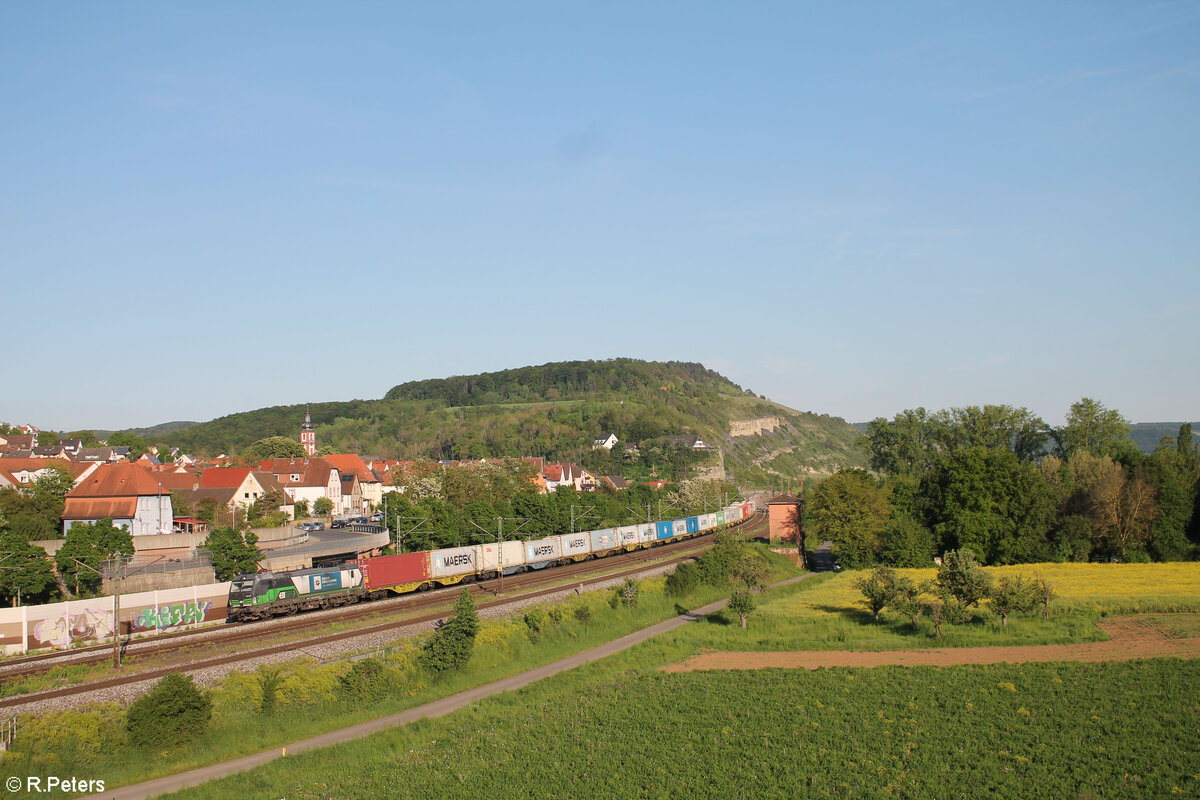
x=555, y=411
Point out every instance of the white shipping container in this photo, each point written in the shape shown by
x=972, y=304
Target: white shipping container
x=647, y=533
x=704, y=521
x=454, y=561
x=542, y=550
x=629, y=536
x=512, y=554
x=679, y=527
x=573, y=545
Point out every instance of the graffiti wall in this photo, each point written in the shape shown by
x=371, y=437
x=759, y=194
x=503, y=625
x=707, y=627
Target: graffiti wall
x=82, y=622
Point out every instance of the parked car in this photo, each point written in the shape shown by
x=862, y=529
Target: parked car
x=317, y=526
x=338, y=523
x=358, y=520
x=377, y=518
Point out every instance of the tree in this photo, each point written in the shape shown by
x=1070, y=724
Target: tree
x=906, y=599
x=300, y=509
x=987, y=500
x=322, y=506
x=850, y=510
x=273, y=447
x=1123, y=509
x=961, y=577
x=24, y=568
x=1015, y=594
x=1091, y=427
x=174, y=709
x=136, y=444
x=452, y=644
x=233, y=553
x=879, y=587
x=749, y=576
x=90, y=544
x=741, y=602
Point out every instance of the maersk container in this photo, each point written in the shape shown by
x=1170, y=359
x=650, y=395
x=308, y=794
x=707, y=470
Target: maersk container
x=647, y=533
x=403, y=572
x=575, y=545
x=663, y=530
x=629, y=536
x=512, y=556
x=541, y=552
x=679, y=527
x=454, y=561
x=691, y=525
x=604, y=540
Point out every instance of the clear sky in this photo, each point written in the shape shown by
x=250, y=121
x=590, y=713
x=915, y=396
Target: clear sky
x=851, y=208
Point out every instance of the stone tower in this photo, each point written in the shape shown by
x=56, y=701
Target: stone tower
x=308, y=435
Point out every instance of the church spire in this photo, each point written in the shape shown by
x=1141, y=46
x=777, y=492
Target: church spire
x=308, y=435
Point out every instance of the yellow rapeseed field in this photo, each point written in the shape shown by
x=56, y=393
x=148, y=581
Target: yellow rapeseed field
x=1101, y=588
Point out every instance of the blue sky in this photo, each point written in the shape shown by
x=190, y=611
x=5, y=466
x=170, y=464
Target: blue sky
x=851, y=208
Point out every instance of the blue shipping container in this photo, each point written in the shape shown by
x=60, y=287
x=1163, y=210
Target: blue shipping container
x=663, y=529
x=693, y=524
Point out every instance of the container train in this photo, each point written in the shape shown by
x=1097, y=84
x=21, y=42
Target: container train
x=260, y=595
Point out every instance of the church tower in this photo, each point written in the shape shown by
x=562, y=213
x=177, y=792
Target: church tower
x=308, y=435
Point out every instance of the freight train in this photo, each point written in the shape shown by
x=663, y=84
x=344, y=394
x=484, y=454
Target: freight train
x=267, y=594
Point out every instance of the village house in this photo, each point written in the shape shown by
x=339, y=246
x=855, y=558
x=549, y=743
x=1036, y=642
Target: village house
x=306, y=479
x=127, y=494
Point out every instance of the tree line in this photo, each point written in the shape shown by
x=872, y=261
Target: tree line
x=1001, y=483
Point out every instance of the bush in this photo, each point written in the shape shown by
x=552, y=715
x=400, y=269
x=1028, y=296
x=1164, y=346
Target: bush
x=453, y=643
x=626, y=594
x=960, y=576
x=535, y=621
x=879, y=587
x=367, y=680
x=174, y=710
x=684, y=580
x=583, y=613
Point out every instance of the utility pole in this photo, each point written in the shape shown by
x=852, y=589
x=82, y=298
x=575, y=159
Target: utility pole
x=417, y=522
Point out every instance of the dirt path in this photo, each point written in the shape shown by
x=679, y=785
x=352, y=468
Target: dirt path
x=1129, y=638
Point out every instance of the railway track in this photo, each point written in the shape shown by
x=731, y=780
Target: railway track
x=587, y=572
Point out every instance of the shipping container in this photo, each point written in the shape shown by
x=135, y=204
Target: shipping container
x=647, y=534
x=663, y=530
x=454, y=562
x=575, y=546
x=691, y=525
x=719, y=518
x=541, y=552
x=679, y=527
x=629, y=537
x=705, y=521
x=399, y=573
x=604, y=540
x=512, y=556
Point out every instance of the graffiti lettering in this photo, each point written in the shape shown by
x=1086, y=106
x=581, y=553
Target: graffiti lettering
x=169, y=616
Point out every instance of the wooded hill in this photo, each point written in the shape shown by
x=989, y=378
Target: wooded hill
x=556, y=411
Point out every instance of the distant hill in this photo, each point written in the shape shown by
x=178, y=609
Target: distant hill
x=1147, y=435
x=152, y=433
x=556, y=411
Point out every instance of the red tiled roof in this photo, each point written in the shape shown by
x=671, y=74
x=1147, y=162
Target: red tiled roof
x=73, y=468
x=177, y=481
x=98, y=508
x=122, y=479
x=223, y=477
x=351, y=464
